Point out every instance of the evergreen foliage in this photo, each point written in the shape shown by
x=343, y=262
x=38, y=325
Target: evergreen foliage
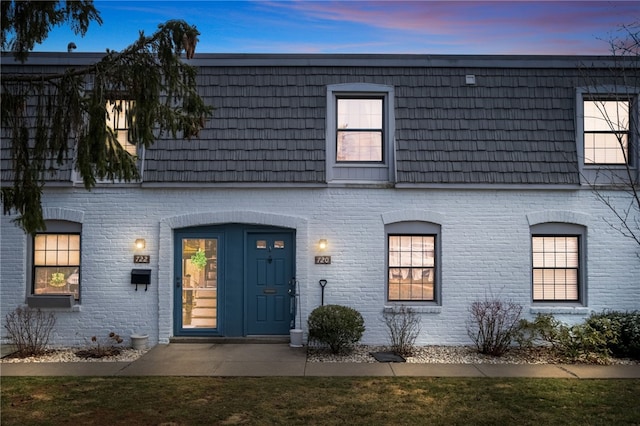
x=58, y=121
x=339, y=327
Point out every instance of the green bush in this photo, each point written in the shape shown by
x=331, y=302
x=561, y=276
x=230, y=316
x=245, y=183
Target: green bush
x=579, y=342
x=626, y=329
x=339, y=327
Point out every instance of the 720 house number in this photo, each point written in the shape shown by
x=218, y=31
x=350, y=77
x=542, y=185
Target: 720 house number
x=323, y=260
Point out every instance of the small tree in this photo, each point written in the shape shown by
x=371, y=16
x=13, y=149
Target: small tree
x=620, y=120
x=57, y=121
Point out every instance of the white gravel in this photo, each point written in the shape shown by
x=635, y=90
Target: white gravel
x=449, y=355
x=361, y=353
x=68, y=355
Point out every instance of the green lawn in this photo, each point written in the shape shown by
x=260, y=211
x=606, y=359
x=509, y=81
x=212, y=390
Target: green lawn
x=304, y=401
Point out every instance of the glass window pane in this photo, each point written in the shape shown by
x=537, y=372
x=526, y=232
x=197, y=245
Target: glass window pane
x=405, y=258
x=359, y=146
x=538, y=260
x=51, y=242
x=394, y=243
x=606, y=115
x=74, y=242
x=278, y=244
x=63, y=242
x=38, y=257
x=394, y=259
x=416, y=258
x=605, y=148
x=405, y=243
x=394, y=275
x=63, y=258
x=394, y=291
x=74, y=258
x=50, y=257
x=359, y=113
x=40, y=242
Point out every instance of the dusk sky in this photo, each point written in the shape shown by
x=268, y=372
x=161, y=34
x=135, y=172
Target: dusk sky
x=422, y=27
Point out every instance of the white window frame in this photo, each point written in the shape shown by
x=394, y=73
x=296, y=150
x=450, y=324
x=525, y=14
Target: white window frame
x=338, y=172
x=608, y=174
x=418, y=228
x=558, y=229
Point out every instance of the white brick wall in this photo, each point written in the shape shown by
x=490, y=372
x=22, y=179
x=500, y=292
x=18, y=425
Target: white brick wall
x=485, y=251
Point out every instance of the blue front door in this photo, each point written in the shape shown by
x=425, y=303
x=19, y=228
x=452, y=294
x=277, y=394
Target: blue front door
x=233, y=280
x=269, y=273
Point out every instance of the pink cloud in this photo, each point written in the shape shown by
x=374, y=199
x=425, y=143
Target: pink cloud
x=480, y=22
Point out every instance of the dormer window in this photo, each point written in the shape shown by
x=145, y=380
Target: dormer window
x=606, y=131
x=360, y=134
x=117, y=122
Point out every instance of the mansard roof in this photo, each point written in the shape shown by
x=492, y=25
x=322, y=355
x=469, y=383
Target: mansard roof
x=515, y=125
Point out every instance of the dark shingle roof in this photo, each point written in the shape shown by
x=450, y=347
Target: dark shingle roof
x=514, y=126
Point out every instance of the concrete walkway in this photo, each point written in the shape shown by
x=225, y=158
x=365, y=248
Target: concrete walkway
x=261, y=360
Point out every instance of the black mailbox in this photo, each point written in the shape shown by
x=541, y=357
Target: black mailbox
x=141, y=277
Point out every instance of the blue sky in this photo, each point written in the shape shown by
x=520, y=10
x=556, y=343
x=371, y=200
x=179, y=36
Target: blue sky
x=423, y=27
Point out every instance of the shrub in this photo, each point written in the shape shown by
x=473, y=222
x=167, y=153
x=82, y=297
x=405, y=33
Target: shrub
x=101, y=350
x=493, y=324
x=29, y=329
x=579, y=342
x=339, y=327
x=625, y=326
x=404, y=326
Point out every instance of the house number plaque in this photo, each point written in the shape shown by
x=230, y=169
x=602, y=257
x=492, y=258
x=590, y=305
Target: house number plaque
x=141, y=258
x=323, y=260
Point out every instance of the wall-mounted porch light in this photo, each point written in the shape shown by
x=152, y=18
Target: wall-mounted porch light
x=322, y=244
x=140, y=243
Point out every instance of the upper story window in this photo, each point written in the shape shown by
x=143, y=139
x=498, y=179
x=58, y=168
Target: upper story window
x=359, y=130
x=360, y=133
x=117, y=134
x=606, y=131
x=116, y=120
x=607, y=134
x=56, y=260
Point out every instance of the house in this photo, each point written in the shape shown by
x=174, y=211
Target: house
x=429, y=181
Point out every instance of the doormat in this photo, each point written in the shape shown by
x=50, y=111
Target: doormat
x=387, y=357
